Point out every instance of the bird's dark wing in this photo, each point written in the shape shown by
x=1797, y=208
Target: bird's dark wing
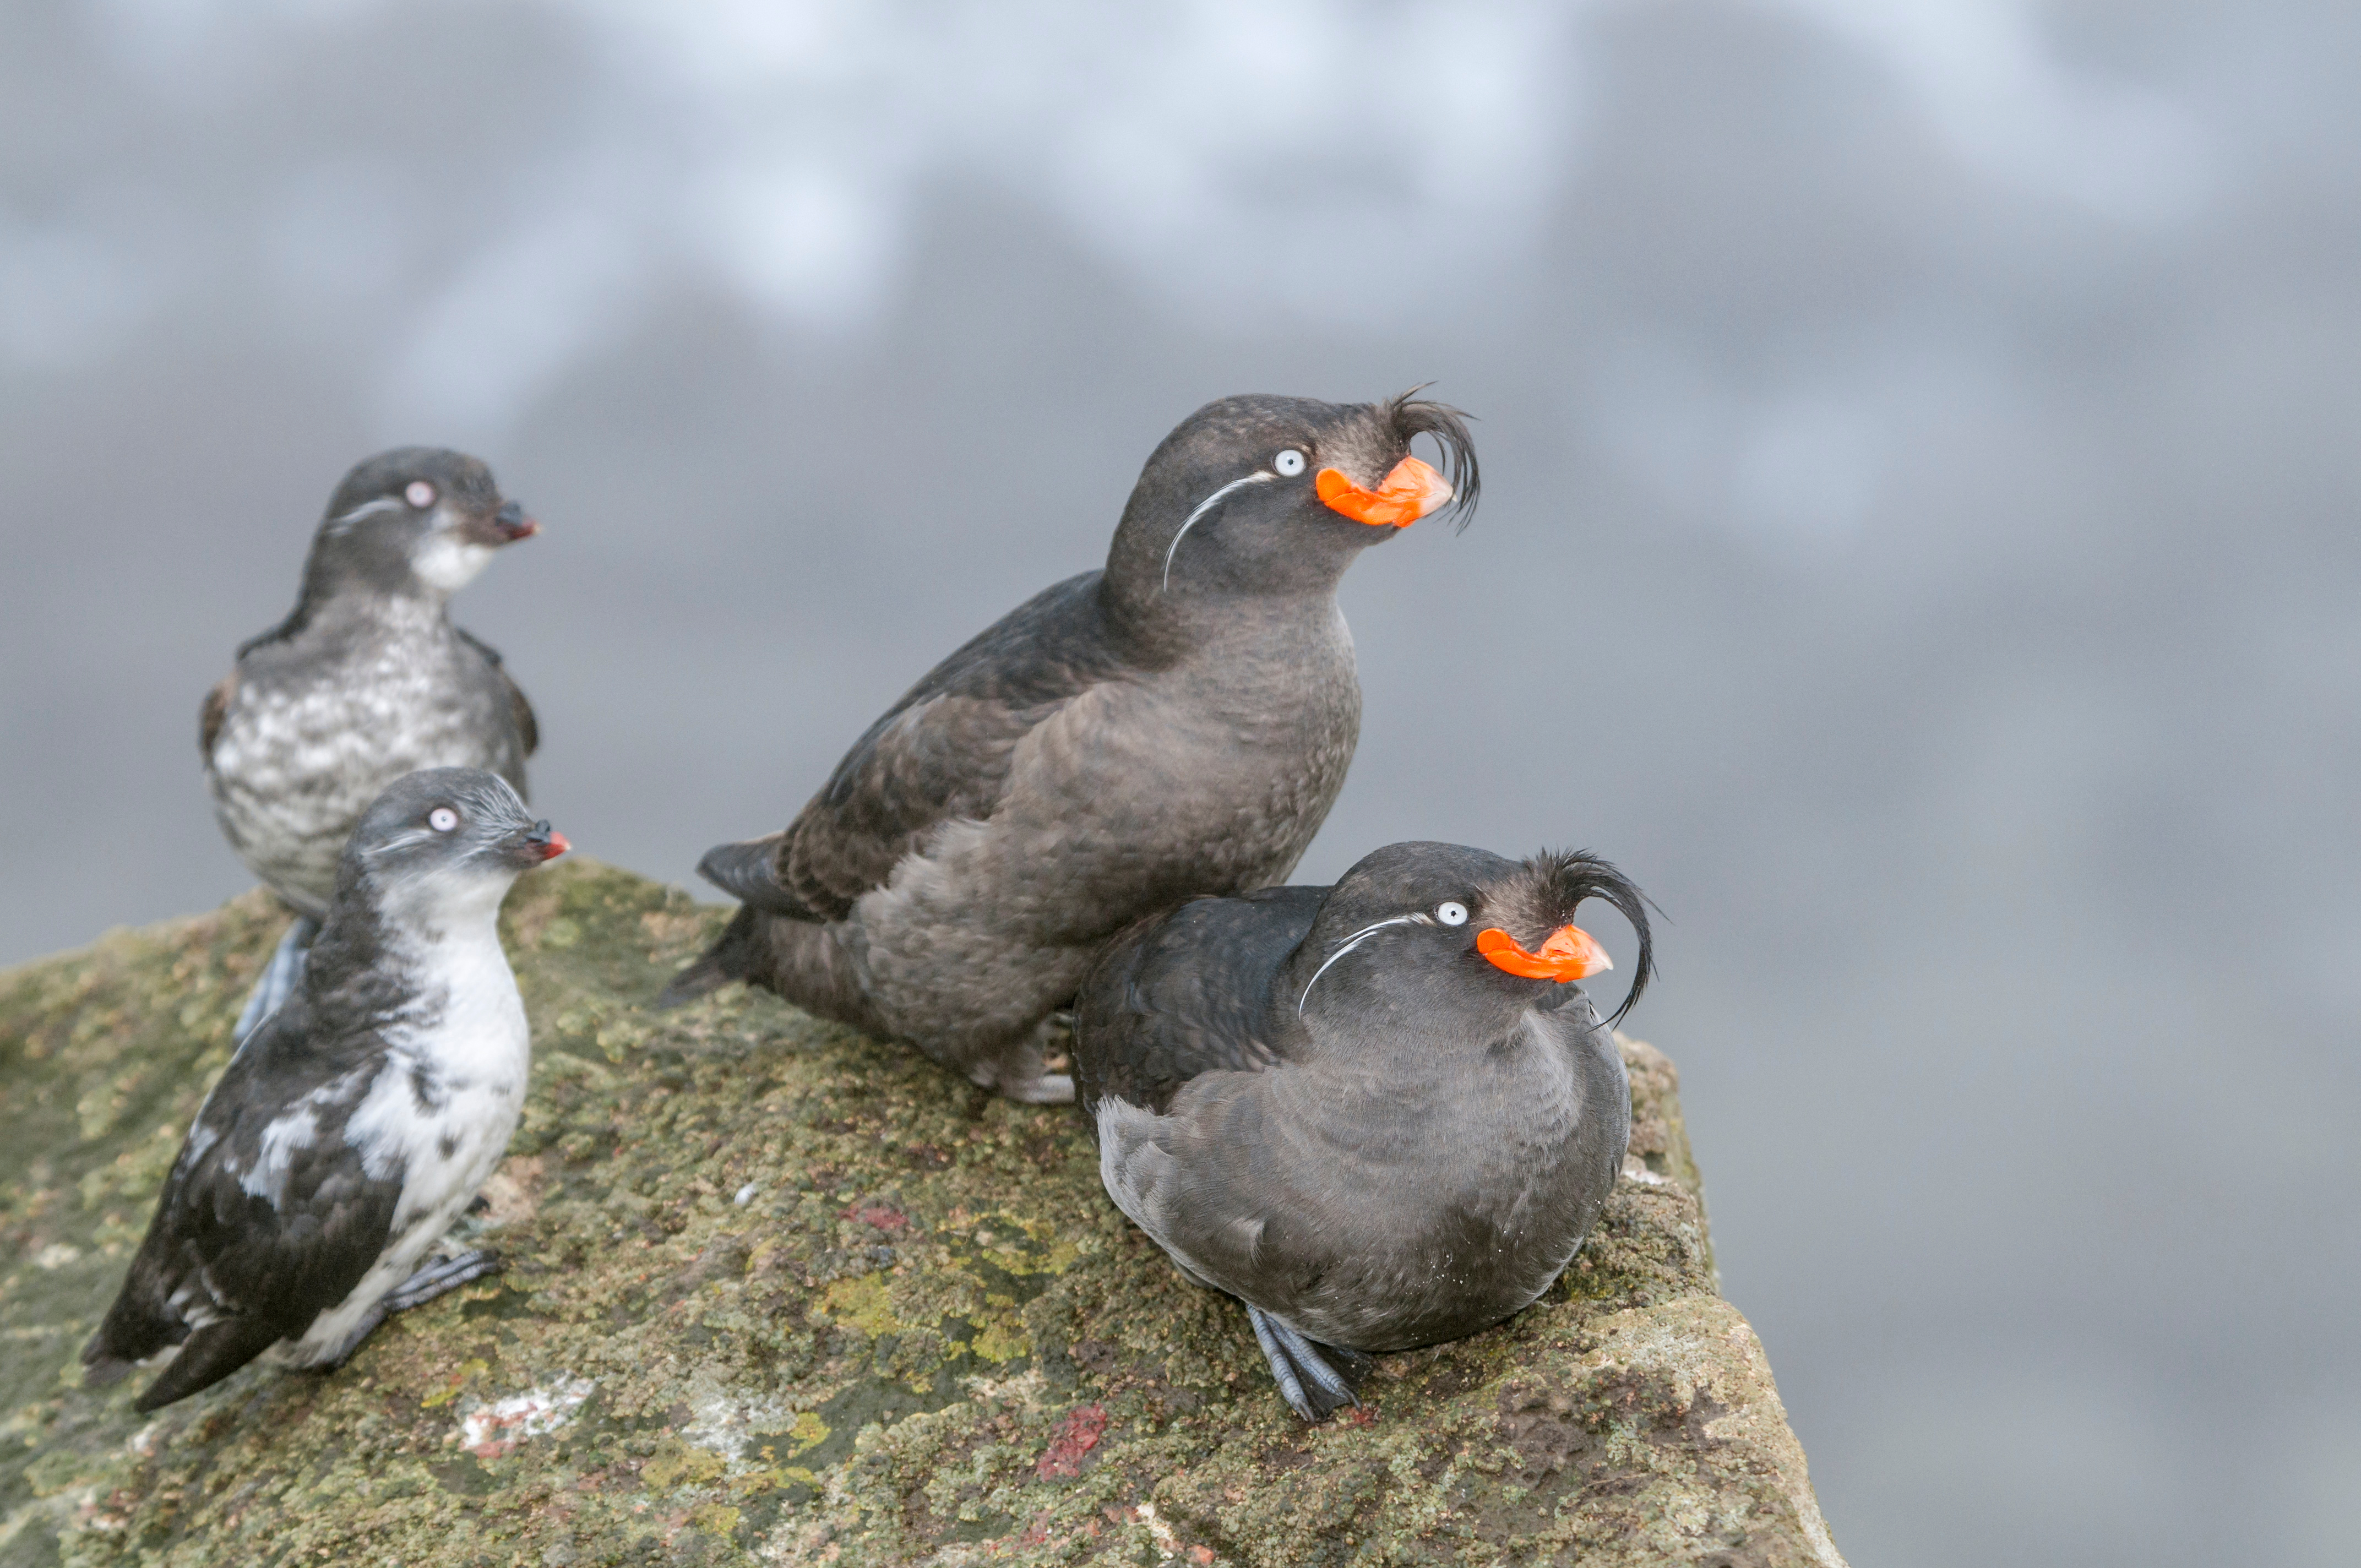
x=942, y=753
x=211, y=713
x=297, y=620
x=256, y=1233
x=1188, y=992
x=520, y=710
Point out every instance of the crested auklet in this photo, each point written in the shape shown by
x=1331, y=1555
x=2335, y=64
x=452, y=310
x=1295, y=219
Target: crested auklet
x=1176, y=724
x=354, y=1123
x=365, y=681
x=1379, y=1113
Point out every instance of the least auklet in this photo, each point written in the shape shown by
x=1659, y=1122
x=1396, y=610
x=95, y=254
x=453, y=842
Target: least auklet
x=1380, y=1115
x=365, y=681
x=356, y=1123
x=1176, y=724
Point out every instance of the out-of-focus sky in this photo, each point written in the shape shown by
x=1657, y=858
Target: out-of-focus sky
x=1919, y=541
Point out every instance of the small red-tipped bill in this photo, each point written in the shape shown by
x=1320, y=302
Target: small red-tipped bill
x=1409, y=493
x=555, y=847
x=1570, y=953
x=510, y=524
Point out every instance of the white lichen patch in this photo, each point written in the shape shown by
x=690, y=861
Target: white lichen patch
x=725, y=1426
x=1634, y=1171
x=490, y=1431
x=1026, y=1388
x=512, y=1193
x=1168, y=1543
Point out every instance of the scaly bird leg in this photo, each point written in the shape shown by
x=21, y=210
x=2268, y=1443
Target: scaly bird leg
x=1313, y=1388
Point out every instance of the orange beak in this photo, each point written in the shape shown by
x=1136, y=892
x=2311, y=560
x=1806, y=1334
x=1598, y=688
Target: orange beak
x=1569, y=954
x=1409, y=493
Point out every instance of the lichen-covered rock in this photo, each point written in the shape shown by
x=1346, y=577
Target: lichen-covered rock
x=779, y=1294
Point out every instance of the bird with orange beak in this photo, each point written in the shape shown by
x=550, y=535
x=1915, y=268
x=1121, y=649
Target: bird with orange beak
x=1176, y=724
x=1381, y=1114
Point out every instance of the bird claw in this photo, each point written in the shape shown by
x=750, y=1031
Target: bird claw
x=439, y=1278
x=1312, y=1388
x=1042, y=1089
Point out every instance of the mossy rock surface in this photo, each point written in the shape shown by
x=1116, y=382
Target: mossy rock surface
x=776, y=1293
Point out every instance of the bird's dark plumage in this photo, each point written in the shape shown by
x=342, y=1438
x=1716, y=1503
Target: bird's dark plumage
x=1198, y=981
x=366, y=680
x=1178, y=723
x=350, y=1127
x=520, y=714
x=1375, y=1113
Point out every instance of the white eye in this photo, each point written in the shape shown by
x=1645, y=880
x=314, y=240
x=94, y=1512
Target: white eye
x=1289, y=463
x=443, y=819
x=1451, y=912
x=420, y=494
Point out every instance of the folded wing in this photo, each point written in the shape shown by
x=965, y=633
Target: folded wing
x=943, y=753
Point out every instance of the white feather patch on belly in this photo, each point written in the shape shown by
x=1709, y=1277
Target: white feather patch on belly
x=473, y=1061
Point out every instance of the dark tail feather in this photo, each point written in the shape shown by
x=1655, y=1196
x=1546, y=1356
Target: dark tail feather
x=136, y=1327
x=730, y=957
x=101, y=1369
x=212, y=1353
x=748, y=871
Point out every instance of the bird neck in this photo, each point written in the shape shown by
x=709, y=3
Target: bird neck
x=1498, y=1070
x=344, y=607
x=1425, y=1018
x=1161, y=593
x=380, y=938
x=1191, y=617
x=443, y=911
x=344, y=566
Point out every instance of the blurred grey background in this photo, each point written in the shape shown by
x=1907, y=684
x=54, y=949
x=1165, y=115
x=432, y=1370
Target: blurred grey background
x=1919, y=541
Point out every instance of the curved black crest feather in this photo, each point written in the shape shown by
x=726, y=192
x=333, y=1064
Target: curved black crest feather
x=1411, y=416
x=1572, y=876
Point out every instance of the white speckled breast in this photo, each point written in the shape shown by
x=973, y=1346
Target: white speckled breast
x=318, y=727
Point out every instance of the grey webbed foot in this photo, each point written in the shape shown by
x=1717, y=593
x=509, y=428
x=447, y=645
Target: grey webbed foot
x=337, y=1358
x=442, y=1276
x=279, y=977
x=1313, y=1386
x=1043, y=1089
x=1022, y=1071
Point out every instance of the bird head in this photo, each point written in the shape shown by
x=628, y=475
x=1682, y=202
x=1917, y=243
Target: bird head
x=1271, y=495
x=443, y=843
x=417, y=519
x=1416, y=926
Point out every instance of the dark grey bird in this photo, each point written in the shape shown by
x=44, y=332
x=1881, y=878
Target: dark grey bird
x=367, y=680
x=1178, y=723
x=354, y=1126
x=1383, y=1113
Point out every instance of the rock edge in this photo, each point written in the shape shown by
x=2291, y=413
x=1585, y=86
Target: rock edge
x=780, y=1294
